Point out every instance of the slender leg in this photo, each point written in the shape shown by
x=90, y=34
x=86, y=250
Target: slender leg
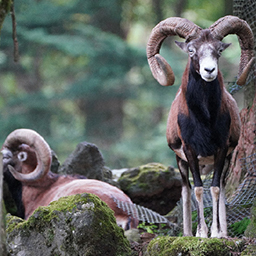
x=222, y=206
x=202, y=229
x=215, y=200
x=218, y=196
x=186, y=197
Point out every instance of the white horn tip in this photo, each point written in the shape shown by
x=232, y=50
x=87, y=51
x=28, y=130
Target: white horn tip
x=243, y=77
x=164, y=74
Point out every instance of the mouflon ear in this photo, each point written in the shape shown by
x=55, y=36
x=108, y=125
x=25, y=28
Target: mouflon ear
x=182, y=46
x=224, y=46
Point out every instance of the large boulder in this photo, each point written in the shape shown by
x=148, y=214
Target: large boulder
x=74, y=225
x=85, y=160
x=153, y=185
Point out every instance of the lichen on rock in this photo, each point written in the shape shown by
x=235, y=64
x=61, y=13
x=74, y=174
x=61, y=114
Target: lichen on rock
x=153, y=185
x=190, y=246
x=73, y=225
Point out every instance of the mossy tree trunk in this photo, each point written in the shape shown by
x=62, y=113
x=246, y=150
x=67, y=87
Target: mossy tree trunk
x=245, y=9
x=5, y=6
x=2, y=215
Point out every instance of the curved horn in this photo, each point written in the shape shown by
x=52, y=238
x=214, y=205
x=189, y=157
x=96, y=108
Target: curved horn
x=160, y=69
x=233, y=25
x=42, y=150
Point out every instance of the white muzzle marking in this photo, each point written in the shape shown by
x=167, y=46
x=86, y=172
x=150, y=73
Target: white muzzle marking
x=208, y=68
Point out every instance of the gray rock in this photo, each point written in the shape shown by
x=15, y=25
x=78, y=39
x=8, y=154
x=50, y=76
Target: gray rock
x=85, y=160
x=153, y=185
x=133, y=235
x=72, y=226
x=55, y=162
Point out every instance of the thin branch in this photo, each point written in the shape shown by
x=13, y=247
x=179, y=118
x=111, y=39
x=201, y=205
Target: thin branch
x=14, y=35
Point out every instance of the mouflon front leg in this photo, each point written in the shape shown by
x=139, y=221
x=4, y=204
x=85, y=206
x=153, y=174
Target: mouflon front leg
x=218, y=196
x=186, y=197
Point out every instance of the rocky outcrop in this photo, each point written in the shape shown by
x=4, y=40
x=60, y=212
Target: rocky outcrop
x=75, y=225
x=85, y=160
x=153, y=185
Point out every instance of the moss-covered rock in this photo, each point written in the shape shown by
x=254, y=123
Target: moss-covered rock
x=249, y=251
x=191, y=246
x=152, y=185
x=74, y=225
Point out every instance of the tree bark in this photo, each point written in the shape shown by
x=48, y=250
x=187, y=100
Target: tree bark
x=109, y=115
x=246, y=148
x=2, y=215
x=5, y=6
x=179, y=7
x=157, y=8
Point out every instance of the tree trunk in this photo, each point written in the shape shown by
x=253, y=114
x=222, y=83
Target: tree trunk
x=157, y=8
x=245, y=9
x=5, y=6
x=2, y=215
x=104, y=120
x=179, y=7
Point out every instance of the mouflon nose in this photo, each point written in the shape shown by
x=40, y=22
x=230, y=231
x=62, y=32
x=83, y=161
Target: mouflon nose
x=209, y=70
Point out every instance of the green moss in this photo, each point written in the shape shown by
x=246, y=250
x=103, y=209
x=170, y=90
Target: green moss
x=12, y=222
x=159, y=245
x=50, y=237
x=249, y=251
x=45, y=214
x=191, y=246
x=141, y=178
x=101, y=231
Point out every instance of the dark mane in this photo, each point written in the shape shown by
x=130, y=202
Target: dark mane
x=205, y=128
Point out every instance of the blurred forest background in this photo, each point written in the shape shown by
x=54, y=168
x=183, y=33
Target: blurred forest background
x=83, y=75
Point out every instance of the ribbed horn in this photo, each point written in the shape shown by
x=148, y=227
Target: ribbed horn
x=184, y=28
x=42, y=150
x=234, y=25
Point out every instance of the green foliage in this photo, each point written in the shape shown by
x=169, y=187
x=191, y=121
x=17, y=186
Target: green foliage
x=238, y=228
x=158, y=229
x=149, y=228
x=83, y=75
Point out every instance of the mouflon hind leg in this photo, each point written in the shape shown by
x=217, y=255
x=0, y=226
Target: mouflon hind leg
x=222, y=200
x=186, y=197
x=202, y=230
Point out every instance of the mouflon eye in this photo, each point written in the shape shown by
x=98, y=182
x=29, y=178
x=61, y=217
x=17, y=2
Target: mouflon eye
x=23, y=156
x=191, y=51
